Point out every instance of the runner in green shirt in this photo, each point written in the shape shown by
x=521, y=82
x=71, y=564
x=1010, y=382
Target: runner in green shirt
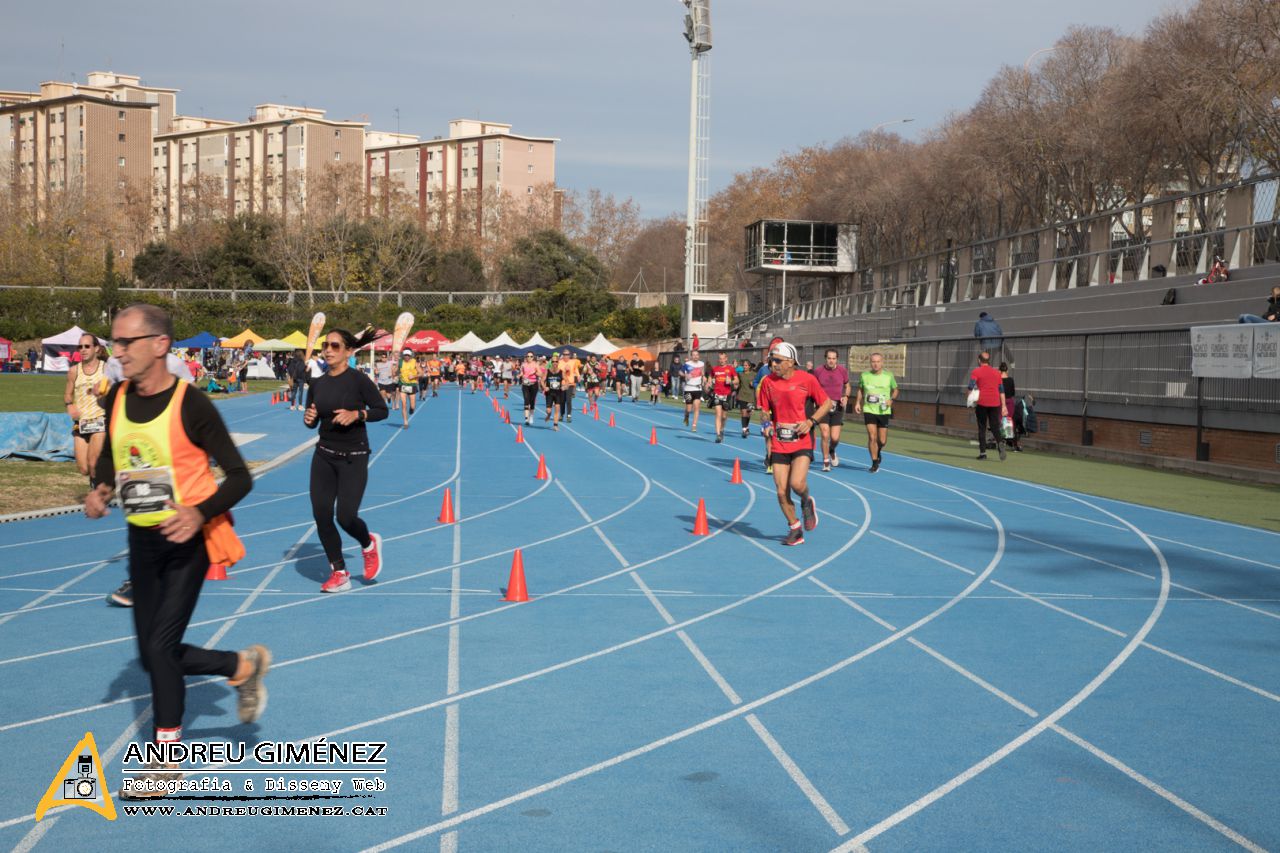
x=877, y=389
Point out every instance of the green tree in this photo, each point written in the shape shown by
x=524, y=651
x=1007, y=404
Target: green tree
x=547, y=257
x=110, y=292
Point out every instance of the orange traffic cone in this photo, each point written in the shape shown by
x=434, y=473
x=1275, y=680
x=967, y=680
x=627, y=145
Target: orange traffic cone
x=736, y=477
x=653, y=435
x=516, y=590
x=273, y=398
x=446, y=508
x=584, y=408
x=700, y=522
x=611, y=423
x=519, y=434
x=596, y=410
x=542, y=468
x=217, y=572
x=506, y=416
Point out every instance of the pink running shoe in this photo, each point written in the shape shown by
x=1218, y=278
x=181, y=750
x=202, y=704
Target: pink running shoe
x=339, y=581
x=373, y=557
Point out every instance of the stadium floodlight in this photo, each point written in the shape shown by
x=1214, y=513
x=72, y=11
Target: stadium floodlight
x=697, y=31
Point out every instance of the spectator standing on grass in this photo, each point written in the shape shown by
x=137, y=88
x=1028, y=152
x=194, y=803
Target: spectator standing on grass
x=1010, y=389
x=990, y=404
x=1270, y=314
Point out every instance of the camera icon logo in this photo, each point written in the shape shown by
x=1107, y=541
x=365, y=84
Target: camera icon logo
x=82, y=786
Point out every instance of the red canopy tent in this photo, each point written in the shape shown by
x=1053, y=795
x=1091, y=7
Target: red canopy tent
x=6, y=349
x=426, y=340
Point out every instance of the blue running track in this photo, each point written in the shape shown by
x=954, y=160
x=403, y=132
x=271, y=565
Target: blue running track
x=952, y=661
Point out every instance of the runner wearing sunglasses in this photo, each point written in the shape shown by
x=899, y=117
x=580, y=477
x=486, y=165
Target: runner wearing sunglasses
x=782, y=398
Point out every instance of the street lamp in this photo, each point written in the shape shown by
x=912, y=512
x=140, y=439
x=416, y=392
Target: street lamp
x=697, y=31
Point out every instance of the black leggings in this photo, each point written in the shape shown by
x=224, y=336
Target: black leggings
x=167, y=577
x=341, y=480
x=530, y=396
x=988, y=417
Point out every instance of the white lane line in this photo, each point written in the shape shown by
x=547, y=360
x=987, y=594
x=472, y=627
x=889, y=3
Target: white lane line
x=1052, y=718
x=1160, y=790
x=36, y=602
x=739, y=711
x=798, y=777
x=449, y=788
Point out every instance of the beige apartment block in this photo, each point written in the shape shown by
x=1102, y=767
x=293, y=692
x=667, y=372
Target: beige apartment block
x=267, y=164
x=453, y=177
x=93, y=138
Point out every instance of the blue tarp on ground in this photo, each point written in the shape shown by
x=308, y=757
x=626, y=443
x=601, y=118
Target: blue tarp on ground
x=203, y=340
x=36, y=435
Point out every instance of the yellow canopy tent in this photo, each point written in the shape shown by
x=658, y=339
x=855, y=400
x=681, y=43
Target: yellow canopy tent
x=245, y=337
x=298, y=340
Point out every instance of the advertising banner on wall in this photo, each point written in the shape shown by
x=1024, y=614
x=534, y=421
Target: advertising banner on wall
x=1266, y=351
x=1222, y=352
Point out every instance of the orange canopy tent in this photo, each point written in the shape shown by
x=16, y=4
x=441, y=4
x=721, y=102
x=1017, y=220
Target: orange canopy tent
x=632, y=352
x=248, y=336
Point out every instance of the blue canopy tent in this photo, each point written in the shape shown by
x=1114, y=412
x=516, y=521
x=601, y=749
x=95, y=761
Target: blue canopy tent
x=203, y=340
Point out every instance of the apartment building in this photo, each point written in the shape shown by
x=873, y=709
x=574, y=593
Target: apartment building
x=454, y=176
x=93, y=137
x=263, y=165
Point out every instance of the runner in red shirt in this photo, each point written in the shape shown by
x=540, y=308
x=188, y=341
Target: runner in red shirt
x=724, y=380
x=782, y=397
x=990, y=406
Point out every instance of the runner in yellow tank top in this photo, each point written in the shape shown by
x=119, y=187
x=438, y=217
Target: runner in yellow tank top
x=86, y=385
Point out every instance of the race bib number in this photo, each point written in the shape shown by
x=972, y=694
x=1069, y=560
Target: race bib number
x=144, y=490
x=89, y=426
x=873, y=399
x=785, y=433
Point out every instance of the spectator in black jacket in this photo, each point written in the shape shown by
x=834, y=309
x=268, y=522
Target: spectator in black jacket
x=296, y=372
x=1271, y=314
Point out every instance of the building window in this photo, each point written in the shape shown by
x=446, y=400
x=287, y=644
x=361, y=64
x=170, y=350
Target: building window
x=336, y=133
x=530, y=168
x=530, y=147
x=528, y=190
x=156, y=151
x=119, y=137
x=120, y=114
x=120, y=161
x=337, y=155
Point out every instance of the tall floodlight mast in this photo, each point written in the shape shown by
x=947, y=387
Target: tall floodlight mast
x=697, y=30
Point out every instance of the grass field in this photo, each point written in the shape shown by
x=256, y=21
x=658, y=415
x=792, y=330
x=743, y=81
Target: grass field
x=43, y=393
x=1210, y=497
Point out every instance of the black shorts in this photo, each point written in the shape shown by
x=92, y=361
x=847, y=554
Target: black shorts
x=530, y=393
x=555, y=396
x=692, y=396
x=388, y=388
x=720, y=400
x=881, y=421
x=776, y=458
x=834, y=418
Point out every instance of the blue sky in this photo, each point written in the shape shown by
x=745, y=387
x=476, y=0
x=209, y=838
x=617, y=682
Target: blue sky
x=610, y=78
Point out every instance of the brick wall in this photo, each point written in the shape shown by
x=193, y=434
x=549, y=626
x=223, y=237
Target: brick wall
x=1226, y=447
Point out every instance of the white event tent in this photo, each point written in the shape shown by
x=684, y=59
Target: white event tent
x=536, y=341
x=502, y=340
x=470, y=342
x=600, y=345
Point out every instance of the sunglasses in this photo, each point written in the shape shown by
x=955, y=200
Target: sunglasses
x=125, y=343
x=333, y=345
x=86, y=346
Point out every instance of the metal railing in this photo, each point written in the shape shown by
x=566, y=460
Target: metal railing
x=1238, y=221
x=416, y=300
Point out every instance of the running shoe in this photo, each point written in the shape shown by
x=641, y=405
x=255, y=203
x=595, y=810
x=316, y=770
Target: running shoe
x=373, y=557
x=568, y=419
x=835, y=461
x=122, y=597
x=694, y=427
x=555, y=427
x=826, y=467
x=795, y=536
x=875, y=465
x=686, y=419
x=251, y=693
x=339, y=581
x=719, y=438
x=1002, y=453
x=745, y=432
x=153, y=784
x=768, y=467
x=810, y=509
x=982, y=456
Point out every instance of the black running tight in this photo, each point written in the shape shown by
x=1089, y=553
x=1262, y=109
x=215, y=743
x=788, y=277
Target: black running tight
x=338, y=480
